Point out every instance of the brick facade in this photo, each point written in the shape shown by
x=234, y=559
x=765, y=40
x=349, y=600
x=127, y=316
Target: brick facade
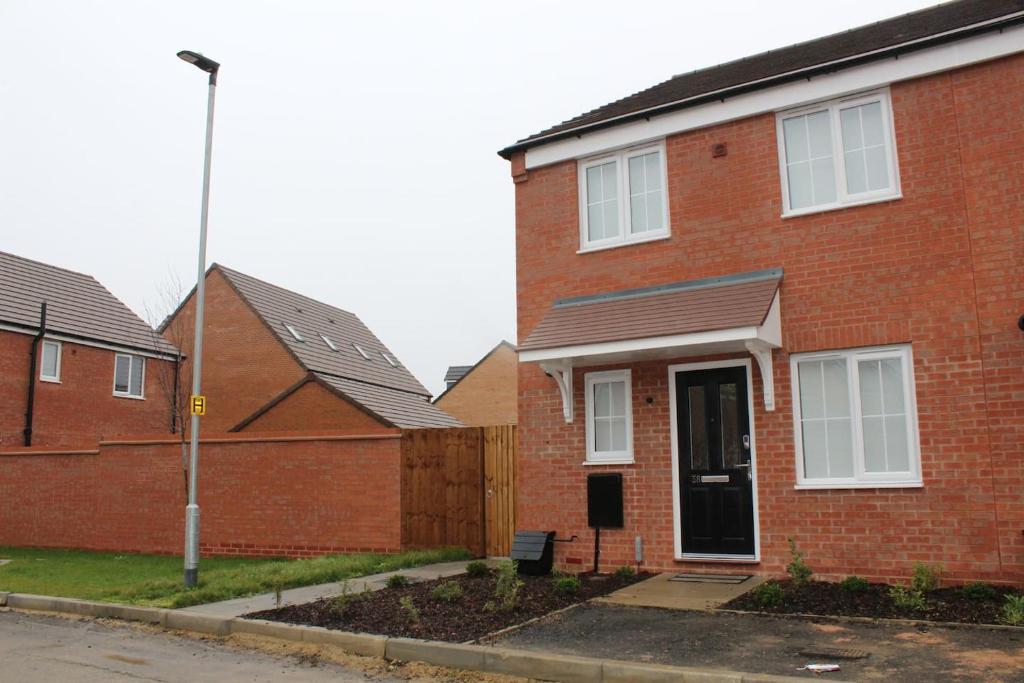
x=313, y=407
x=288, y=496
x=82, y=408
x=486, y=395
x=938, y=268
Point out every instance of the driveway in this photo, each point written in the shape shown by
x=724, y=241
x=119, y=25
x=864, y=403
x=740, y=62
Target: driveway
x=766, y=644
x=36, y=647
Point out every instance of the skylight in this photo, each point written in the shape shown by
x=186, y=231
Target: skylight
x=391, y=361
x=294, y=332
x=361, y=350
x=327, y=340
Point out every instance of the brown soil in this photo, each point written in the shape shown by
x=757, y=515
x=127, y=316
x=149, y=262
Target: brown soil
x=460, y=620
x=820, y=597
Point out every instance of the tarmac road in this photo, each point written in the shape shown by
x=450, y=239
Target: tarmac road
x=51, y=649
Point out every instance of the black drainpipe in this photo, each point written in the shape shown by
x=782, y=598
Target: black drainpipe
x=32, y=375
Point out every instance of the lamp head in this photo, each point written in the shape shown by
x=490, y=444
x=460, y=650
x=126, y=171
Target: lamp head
x=199, y=61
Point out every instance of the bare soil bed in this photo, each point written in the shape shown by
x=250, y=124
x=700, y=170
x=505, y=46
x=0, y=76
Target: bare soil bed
x=463, y=619
x=874, y=600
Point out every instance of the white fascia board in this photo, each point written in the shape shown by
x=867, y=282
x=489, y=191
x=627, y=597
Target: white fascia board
x=735, y=334
x=822, y=87
x=87, y=342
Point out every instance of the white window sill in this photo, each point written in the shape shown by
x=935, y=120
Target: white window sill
x=592, y=463
x=862, y=485
x=49, y=380
x=737, y=559
x=836, y=207
x=626, y=243
x=134, y=398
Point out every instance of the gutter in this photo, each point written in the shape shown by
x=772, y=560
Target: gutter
x=778, y=79
x=33, y=363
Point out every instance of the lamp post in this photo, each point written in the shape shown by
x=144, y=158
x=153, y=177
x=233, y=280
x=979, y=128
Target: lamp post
x=192, y=509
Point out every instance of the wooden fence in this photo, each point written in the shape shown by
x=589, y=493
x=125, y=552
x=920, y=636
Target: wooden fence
x=458, y=488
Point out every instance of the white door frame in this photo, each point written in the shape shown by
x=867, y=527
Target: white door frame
x=677, y=494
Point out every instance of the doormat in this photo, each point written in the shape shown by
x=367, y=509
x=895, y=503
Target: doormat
x=834, y=653
x=711, y=578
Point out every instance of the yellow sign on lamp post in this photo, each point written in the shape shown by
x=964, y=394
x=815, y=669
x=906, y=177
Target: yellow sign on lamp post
x=198, y=405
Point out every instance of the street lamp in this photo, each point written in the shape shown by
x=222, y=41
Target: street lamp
x=192, y=509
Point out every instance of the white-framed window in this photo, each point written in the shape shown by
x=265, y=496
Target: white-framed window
x=129, y=375
x=294, y=332
x=623, y=197
x=330, y=343
x=855, y=418
x=838, y=153
x=609, y=413
x=49, y=361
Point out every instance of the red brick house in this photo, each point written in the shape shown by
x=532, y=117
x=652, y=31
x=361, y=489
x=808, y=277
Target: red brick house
x=781, y=296
x=277, y=361
x=92, y=369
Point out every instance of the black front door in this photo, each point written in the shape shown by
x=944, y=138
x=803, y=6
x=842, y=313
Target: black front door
x=714, y=461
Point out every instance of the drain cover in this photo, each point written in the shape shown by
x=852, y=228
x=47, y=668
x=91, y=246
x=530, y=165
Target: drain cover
x=711, y=578
x=833, y=653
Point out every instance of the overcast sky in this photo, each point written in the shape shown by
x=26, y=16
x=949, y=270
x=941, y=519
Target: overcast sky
x=355, y=142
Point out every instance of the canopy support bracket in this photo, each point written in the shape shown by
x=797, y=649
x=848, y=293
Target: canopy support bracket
x=561, y=372
x=763, y=353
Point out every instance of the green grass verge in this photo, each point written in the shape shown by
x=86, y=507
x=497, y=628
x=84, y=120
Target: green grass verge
x=156, y=580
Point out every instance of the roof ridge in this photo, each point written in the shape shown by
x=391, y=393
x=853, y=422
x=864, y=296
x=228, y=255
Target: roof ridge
x=51, y=266
x=232, y=271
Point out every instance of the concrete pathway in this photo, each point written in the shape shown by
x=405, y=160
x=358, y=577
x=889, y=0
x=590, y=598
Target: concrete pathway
x=660, y=591
x=36, y=647
x=298, y=596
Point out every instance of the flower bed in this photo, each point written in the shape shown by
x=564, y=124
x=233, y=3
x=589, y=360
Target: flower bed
x=976, y=604
x=456, y=609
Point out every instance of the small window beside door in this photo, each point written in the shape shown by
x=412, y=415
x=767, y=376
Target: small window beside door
x=609, y=416
x=129, y=375
x=838, y=154
x=855, y=418
x=49, y=361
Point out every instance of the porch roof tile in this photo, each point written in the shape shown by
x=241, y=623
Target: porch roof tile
x=739, y=300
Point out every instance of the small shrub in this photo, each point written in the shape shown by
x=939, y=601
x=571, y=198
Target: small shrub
x=398, y=581
x=907, y=598
x=1013, y=610
x=925, y=578
x=409, y=607
x=449, y=591
x=477, y=569
x=798, y=569
x=768, y=594
x=344, y=599
x=854, y=584
x=625, y=572
x=568, y=585
x=507, y=588
x=980, y=591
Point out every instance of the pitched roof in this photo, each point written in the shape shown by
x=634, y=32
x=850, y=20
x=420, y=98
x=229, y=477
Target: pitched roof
x=741, y=300
x=77, y=305
x=916, y=30
x=277, y=307
x=400, y=408
x=456, y=372
x=466, y=369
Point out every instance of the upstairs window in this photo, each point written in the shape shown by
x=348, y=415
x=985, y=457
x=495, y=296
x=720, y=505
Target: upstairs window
x=129, y=375
x=837, y=154
x=623, y=198
x=855, y=418
x=49, y=361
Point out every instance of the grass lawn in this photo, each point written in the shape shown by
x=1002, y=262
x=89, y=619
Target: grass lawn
x=156, y=580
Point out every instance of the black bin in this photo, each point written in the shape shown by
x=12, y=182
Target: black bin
x=534, y=552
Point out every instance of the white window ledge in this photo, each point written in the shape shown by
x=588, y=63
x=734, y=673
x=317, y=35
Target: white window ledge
x=49, y=381
x=735, y=559
x=134, y=398
x=837, y=207
x=862, y=485
x=618, y=245
x=593, y=463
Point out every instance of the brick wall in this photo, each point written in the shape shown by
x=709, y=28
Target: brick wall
x=313, y=407
x=82, y=408
x=939, y=268
x=282, y=496
x=487, y=395
x=244, y=364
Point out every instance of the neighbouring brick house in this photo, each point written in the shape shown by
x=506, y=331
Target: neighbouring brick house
x=483, y=394
x=277, y=361
x=93, y=371
x=781, y=296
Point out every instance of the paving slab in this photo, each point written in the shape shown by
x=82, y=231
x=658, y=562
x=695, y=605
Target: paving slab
x=297, y=596
x=661, y=591
x=771, y=645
